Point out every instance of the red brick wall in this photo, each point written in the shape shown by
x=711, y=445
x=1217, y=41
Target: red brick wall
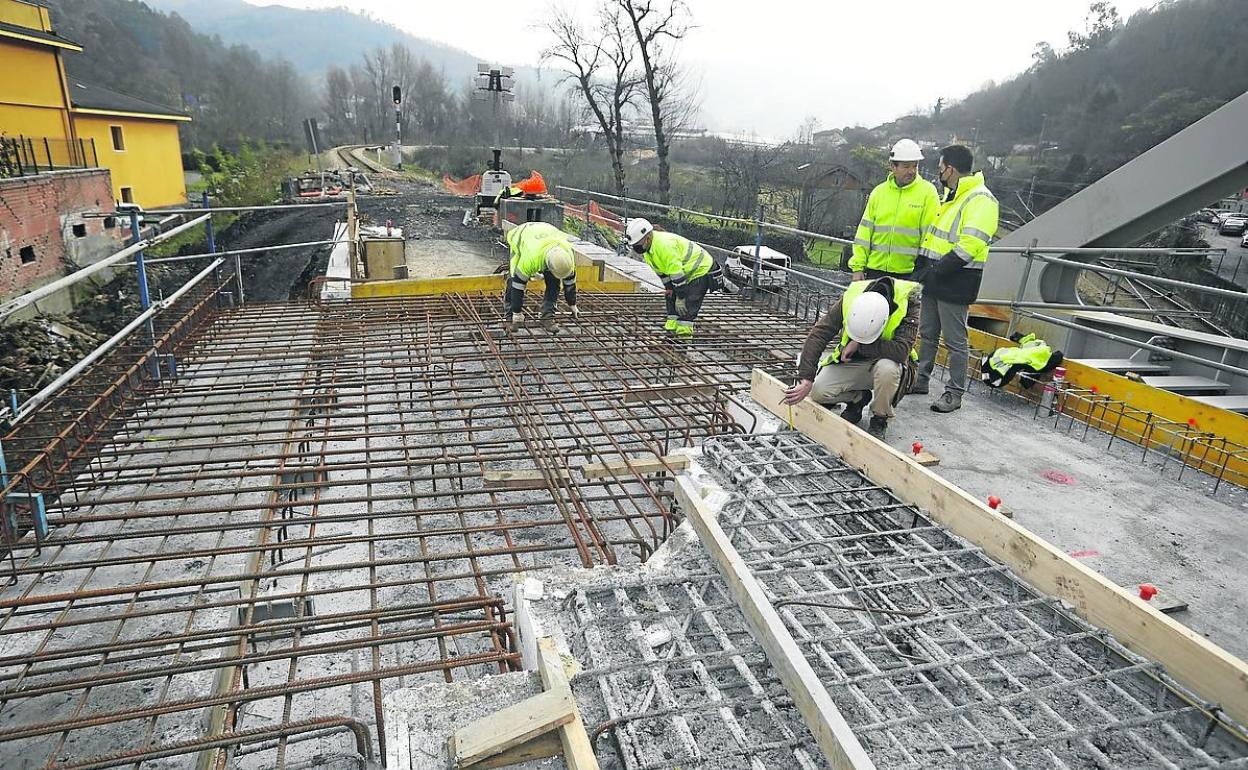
x=40, y=212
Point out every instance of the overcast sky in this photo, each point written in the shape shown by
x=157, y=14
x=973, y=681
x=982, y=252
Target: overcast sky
x=767, y=64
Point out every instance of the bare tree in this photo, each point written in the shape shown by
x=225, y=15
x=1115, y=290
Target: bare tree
x=658, y=26
x=602, y=69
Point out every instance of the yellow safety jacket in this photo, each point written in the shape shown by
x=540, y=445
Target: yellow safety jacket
x=892, y=226
x=677, y=260
x=1031, y=351
x=901, y=301
x=529, y=243
x=957, y=242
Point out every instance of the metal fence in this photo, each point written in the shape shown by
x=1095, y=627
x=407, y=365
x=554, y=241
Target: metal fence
x=30, y=155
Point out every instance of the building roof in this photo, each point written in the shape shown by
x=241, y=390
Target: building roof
x=89, y=98
x=17, y=32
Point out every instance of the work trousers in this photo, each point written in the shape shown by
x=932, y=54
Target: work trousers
x=695, y=293
x=514, y=304
x=937, y=319
x=872, y=274
x=847, y=382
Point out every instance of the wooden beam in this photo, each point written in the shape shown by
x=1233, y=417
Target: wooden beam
x=544, y=745
x=529, y=479
x=578, y=752
x=511, y=727
x=1208, y=670
x=639, y=394
x=839, y=744
x=633, y=465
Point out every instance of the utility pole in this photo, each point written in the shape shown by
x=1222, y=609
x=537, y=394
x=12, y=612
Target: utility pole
x=398, y=128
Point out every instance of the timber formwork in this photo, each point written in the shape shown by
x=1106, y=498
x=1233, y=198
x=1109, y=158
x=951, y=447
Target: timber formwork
x=280, y=513
x=935, y=655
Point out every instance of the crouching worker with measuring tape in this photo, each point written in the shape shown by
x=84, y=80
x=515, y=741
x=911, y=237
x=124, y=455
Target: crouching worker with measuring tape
x=874, y=326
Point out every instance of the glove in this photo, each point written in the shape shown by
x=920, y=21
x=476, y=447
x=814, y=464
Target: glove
x=575, y=311
x=682, y=309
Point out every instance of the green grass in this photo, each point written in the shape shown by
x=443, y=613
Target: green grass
x=823, y=253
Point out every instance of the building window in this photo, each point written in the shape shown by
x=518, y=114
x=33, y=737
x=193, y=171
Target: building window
x=127, y=195
x=80, y=230
x=27, y=254
x=119, y=141
x=110, y=223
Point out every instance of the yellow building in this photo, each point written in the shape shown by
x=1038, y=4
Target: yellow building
x=68, y=123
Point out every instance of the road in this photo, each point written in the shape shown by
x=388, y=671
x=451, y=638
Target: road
x=1230, y=267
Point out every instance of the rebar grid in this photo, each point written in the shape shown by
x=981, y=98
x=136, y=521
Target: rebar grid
x=936, y=655
x=299, y=522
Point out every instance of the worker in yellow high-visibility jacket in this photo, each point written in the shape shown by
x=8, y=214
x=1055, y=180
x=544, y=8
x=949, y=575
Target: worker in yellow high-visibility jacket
x=951, y=265
x=899, y=210
x=539, y=248
x=687, y=270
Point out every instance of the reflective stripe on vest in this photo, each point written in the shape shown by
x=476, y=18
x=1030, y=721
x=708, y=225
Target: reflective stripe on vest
x=940, y=242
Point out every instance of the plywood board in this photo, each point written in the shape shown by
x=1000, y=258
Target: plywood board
x=1208, y=670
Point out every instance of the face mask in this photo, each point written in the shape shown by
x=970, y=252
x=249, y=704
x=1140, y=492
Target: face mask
x=637, y=247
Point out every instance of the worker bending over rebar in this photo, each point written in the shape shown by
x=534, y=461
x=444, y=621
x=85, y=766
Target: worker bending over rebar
x=539, y=248
x=687, y=270
x=875, y=324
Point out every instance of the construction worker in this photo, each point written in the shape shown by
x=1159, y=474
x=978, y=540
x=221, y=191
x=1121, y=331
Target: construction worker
x=952, y=259
x=877, y=322
x=899, y=210
x=539, y=248
x=686, y=269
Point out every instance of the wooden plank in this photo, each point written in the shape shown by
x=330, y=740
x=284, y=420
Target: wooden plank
x=544, y=745
x=835, y=738
x=578, y=752
x=650, y=464
x=640, y=394
x=1194, y=661
x=533, y=479
x=511, y=727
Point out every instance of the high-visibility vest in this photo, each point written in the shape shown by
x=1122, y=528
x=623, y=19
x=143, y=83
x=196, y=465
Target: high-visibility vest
x=965, y=225
x=1031, y=351
x=529, y=243
x=892, y=226
x=901, y=299
x=677, y=259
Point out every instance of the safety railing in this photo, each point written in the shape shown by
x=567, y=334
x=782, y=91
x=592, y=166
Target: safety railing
x=31, y=155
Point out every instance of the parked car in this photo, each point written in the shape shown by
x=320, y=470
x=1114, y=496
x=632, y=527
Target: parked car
x=1208, y=216
x=1244, y=241
x=1233, y=225
x=771, y=274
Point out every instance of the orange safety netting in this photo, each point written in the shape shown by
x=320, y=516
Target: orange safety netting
x=534, y=185
x=467, y=186
x=595, y=214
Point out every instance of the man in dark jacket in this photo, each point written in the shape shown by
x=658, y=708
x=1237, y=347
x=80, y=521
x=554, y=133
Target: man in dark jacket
x=872, y=328
x=951, y=264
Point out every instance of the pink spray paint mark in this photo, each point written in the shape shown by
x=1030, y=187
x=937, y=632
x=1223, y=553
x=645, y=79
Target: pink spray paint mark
x=1057, y=477
x=1084, y=554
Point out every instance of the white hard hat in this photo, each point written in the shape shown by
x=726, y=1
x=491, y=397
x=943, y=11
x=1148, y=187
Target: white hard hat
x=636, y=229
x=560, y=262
x=867, y=316
x=906, y=151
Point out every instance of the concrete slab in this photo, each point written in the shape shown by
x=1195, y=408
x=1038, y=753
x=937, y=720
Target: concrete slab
x=437, y=258
x=1134, y=521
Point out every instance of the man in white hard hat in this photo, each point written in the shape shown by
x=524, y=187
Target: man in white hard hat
x=874, y=325
x=539, y=248
x=899, y=210
x=686, y=269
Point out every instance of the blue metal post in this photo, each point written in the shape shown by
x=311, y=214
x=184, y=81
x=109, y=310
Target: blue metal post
x=145, y=298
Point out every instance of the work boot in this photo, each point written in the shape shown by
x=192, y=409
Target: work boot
x=853, y=409
x=918, y=388
x=878, y=426
x=548, y=324
x=949, y=402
